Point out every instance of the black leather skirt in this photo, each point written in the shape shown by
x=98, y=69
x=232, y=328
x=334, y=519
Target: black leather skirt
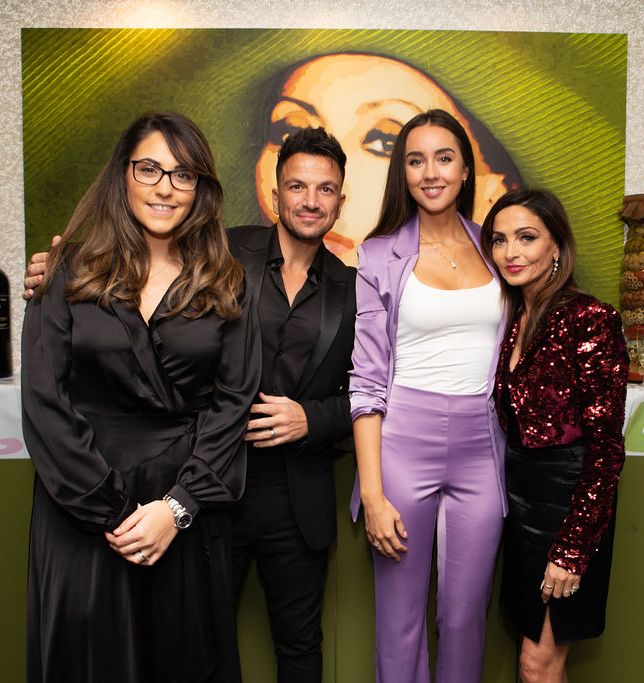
x=540, y=483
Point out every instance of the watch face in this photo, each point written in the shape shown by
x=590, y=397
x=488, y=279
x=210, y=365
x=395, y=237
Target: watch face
x=184, y=521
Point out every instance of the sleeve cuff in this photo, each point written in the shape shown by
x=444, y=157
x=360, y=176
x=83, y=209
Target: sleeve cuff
x=183, y=497
x=367, y=410
x=573, y=565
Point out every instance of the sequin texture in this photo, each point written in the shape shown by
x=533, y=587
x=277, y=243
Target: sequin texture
x=570, y=384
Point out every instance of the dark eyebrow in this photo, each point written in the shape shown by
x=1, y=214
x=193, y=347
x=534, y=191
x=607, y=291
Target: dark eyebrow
x=517, y=231
x=442, y=150
x=308, y=108
x=294, y=179
x=154, y=162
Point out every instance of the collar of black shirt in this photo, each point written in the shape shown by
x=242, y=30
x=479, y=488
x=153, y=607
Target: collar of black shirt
x=275, y=259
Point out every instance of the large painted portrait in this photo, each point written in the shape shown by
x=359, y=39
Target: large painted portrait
x=364, y=100
x=541, y=109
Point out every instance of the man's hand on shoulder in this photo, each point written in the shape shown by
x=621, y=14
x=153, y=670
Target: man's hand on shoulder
x=283, y=421
x=36, y=269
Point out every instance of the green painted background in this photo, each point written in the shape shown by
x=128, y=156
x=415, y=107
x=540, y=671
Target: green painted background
x=555, y=101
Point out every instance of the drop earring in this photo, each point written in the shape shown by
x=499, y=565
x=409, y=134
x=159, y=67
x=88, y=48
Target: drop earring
x=555, y=266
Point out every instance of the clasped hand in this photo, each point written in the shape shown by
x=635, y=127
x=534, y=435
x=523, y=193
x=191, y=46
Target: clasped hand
x=384, y=527
x=145, y=535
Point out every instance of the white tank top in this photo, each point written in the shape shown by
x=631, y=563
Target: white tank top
x=446, y=337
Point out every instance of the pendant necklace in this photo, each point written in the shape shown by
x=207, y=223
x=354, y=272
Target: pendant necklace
x=442, y=254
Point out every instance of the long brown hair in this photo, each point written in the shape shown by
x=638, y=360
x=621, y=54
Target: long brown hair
x=398, y=206
x=110, y=259
x=561, y=286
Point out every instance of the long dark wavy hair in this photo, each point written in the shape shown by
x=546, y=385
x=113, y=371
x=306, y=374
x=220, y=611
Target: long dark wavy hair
x=398, y=206
x=110, y=259
x=561, y=286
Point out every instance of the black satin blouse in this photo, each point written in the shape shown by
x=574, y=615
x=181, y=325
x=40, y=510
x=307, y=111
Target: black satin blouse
x=94, y=379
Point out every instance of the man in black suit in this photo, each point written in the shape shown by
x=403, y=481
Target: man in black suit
x=305, y=298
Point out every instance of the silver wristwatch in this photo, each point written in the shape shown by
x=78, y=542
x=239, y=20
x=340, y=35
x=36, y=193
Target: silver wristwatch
x=182, y=518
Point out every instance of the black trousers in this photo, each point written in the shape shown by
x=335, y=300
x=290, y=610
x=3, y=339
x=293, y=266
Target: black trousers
x=290, y=572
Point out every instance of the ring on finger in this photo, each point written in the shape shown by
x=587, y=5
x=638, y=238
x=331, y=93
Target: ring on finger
x=272, y=431
x=376, y=544
x=143, y=556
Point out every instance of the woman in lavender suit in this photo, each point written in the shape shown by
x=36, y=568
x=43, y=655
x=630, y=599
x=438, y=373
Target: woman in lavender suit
x=428, y=444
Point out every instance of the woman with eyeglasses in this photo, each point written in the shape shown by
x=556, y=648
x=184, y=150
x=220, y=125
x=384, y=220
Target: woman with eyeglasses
x=140, y=363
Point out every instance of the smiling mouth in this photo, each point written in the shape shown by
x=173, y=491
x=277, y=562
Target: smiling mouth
x=162, y=208
x=514, y=269
x=433, y=191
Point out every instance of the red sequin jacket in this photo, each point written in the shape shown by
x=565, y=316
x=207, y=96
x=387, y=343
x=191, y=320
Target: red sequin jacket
x=570, y=384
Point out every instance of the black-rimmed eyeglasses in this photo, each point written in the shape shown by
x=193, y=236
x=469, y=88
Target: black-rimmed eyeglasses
x=148, y=173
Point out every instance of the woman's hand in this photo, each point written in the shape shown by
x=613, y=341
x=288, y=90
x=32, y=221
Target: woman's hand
x=145, y=535
x=384, y=527
x=557, y=583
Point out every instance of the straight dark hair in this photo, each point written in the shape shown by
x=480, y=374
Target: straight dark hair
x=110, y=259
x=561, y=286
x=398, y=206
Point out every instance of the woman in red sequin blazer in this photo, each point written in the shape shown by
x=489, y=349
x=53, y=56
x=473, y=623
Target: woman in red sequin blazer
x=560, y=390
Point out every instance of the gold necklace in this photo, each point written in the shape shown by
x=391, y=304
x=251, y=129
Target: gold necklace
x=442, y=254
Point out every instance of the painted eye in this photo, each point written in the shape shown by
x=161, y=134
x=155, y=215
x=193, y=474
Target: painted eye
x=380, y=140
x=288, y=125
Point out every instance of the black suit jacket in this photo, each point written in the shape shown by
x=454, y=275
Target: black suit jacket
x=322, y=389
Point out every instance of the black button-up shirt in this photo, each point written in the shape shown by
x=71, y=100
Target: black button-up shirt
x=289, y=332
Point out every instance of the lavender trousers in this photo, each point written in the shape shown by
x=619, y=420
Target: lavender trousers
x=438, y=472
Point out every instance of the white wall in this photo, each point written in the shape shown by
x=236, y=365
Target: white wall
x=592, y=16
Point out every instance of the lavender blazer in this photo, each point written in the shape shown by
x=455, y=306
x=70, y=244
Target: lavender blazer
x=385, y=264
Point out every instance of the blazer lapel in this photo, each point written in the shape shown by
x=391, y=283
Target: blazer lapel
x=399, y=267
x=254, y=262
x=333, y=300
